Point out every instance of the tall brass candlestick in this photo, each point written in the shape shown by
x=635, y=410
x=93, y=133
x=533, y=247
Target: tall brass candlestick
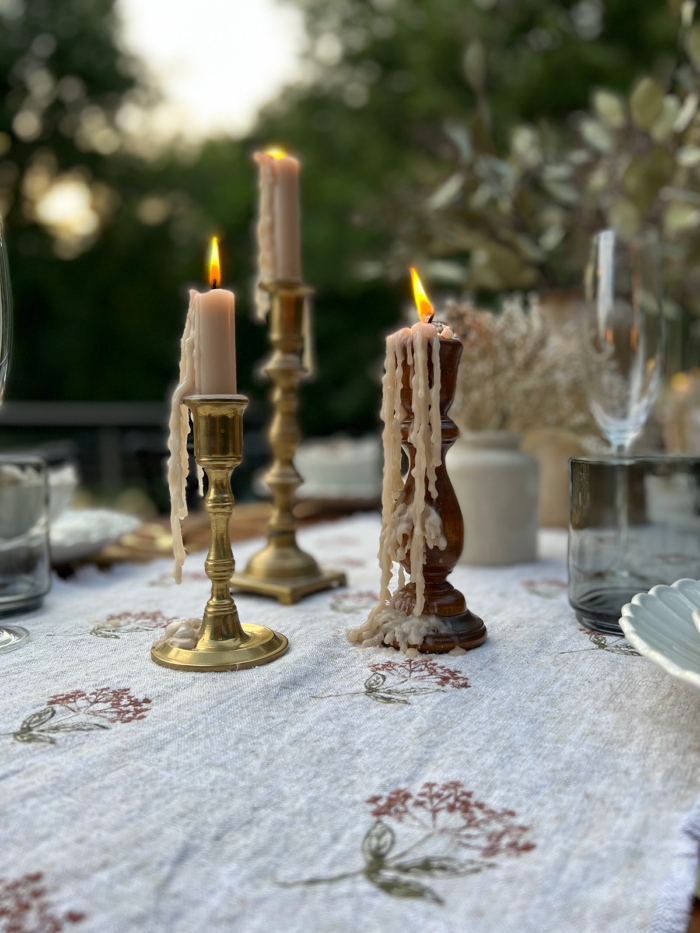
x=224, y=644
x=281, y=569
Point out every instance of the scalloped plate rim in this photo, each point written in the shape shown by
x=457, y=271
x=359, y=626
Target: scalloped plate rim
x=692, y=678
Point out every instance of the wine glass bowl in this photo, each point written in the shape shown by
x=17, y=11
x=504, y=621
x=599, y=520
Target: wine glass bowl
x=623, y=344
x=624, y=334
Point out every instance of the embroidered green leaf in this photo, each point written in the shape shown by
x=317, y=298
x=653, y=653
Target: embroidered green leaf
x=400, y=888
x=410, y=691
x=375, y=681
x=449, y=867
x=33, y=737
x=378, y=842
x=103, y=632
x=37, y=719
x=623, y=649
x=383, y=698
x=75, y=727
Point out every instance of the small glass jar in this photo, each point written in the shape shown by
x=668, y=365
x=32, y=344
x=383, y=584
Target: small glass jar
x=25, y=566
x=634, y=523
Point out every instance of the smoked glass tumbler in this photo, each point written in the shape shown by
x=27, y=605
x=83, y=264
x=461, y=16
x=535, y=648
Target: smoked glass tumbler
x=662, y=541
x=11, y=636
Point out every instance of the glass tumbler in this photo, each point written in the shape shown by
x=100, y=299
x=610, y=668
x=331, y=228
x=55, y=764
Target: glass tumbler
x=24, y=540
x=662, y=539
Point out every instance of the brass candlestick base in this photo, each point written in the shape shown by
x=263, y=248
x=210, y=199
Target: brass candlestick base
x=224, y=644
x=282, y=569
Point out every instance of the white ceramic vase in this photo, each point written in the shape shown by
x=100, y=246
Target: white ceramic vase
x=497, y=488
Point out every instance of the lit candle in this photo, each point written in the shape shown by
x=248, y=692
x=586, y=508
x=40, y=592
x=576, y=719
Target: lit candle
x=207, y=367
x=278, y=225
x=215, y=366
x=413, y=527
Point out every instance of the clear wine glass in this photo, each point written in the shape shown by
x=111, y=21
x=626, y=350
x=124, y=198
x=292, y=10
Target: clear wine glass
x=11, y=636
x=624, y=346
x=625, y=334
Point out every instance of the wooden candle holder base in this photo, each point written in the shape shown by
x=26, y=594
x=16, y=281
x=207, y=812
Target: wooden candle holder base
x=441, y=598
x=468, y=631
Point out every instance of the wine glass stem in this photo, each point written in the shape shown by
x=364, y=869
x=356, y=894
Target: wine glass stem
x=622, y=505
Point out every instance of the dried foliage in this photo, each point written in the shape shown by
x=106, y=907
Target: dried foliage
x=522, y=218
x=517, y=371
x=679, y=414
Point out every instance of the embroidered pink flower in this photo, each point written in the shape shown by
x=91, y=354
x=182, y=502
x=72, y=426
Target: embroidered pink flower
x=424, y=670
x=438, y=833
x=26, y=908
x=111, y=705
x=354, y=602
x=450, y=810
x=126, y=622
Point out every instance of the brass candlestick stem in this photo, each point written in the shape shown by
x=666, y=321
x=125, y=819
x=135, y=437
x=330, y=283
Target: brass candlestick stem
x=224, y=644
x=282, y=569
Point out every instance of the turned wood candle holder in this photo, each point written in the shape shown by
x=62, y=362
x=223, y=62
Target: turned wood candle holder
x=441, y=597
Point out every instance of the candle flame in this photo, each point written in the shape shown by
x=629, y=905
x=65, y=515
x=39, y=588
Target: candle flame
x=425, y=309
x=214, y=264
x=276, y=152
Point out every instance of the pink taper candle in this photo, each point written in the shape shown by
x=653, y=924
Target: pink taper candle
x=279, y=223
x=215, y=359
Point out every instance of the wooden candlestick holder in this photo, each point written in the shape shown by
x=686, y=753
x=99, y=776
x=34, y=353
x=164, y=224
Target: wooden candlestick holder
x=441, y=598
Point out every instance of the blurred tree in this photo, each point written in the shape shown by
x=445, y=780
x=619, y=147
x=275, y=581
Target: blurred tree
x=104, y=226
x=386, y=80
x=104, y=229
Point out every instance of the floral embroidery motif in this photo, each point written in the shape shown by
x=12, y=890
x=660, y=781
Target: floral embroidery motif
x=395, y=681
x=440, y=832
x=354, y=602
x=25, y=907
x=346, y=560
x=617, y=644
x=547, y=588
x=81, y=712
x=127, y=622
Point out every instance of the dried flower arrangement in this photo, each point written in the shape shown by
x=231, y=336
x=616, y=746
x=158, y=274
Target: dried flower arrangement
x=680, y=421
x=517, y=371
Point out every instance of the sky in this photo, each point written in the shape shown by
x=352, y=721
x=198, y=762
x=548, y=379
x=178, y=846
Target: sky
x=216, y=61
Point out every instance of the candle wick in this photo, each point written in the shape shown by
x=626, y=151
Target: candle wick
x=214, y=284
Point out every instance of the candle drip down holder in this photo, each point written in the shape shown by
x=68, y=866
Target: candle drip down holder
x=223, y=644
x=281, y=569
x=441, y=598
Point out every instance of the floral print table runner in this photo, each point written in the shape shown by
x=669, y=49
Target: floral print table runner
x=537, y=783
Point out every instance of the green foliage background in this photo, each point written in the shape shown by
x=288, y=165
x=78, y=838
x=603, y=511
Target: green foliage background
x=369, y=128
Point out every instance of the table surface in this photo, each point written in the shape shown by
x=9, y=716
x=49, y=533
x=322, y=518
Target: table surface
x=537, y=783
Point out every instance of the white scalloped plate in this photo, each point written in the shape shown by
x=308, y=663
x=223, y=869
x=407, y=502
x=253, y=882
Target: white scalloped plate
x=660, y=625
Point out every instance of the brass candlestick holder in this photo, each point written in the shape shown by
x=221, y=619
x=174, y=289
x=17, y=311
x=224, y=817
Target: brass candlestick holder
x=223, y=644
x=466, y=630
x=282, y=569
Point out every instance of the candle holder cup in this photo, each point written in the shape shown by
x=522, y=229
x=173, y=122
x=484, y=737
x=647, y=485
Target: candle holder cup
x=441, y=598
x=223, y=644
x=281, y=569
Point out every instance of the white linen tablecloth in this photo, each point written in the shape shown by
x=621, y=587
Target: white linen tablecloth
x=537, y=783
